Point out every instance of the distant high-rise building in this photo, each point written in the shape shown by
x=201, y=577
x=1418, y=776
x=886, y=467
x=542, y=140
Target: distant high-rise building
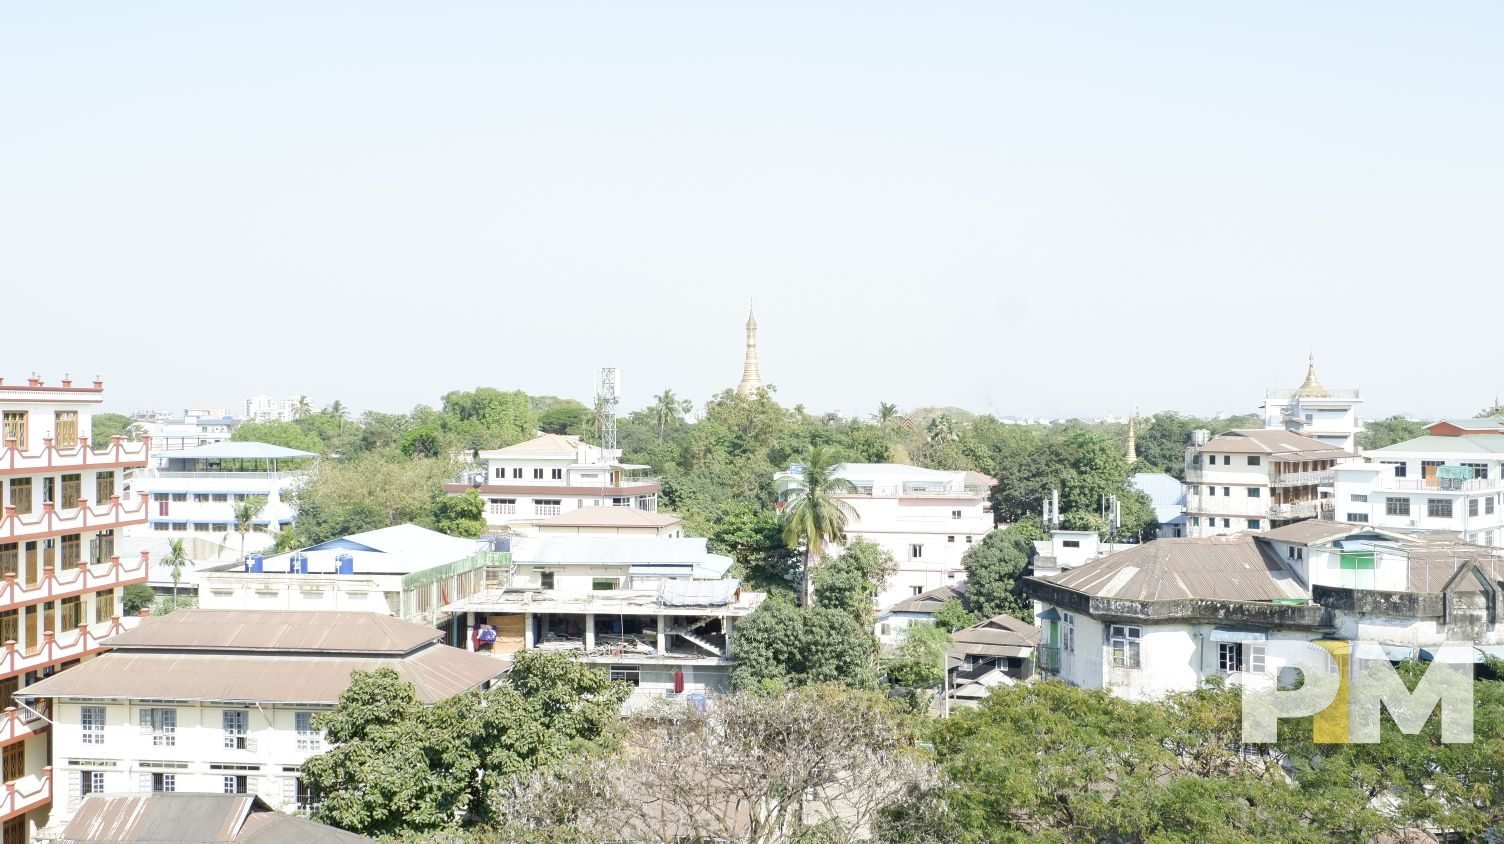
x=269, y=409
x=751, y=377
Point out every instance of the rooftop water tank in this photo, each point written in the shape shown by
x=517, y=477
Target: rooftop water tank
x=346, y=563
x=258, y=564
x=1200, y=436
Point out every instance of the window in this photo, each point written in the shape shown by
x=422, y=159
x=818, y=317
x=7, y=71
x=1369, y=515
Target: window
x=1360, y=518
x=1428, y=468
x=626, y=674
x=1253, y=524
x=1255, y=492
x=916, y=551
x=548, y=506
x=164, y=782
x=546, y=579
x=1254, y=460
x=235, y=785
x=602, y=584
x=20, y=495
x=557, y=474
x=1195, y=521
x=90, y=782
x=1227, y=460
x=1227, y=490
x=91, y=720
x=308, y=737
x=1211, y=490
x=1227, y=523
x=236, y=723
x=500, y=473
x=104, y=486
x=201, y=498
x=916, y=590
x=1439, y=508
x=1396, y=506
x=1399, y=467
x=1358, y=498
x=65, y=428
x=1071, y=543
x=968, y=537
x=1488, y=505
x=1125, y=645
x=1068, y=636
x=517, y=472
x=955, y=514
x=503, y=506
x=1472, y=506
x=537, y=474
x=10, y=631
x=1480, y=470
x=950, y=539
x=73, y=612
x=182, y=498
x=162, y=724
x=1229, y=657
x=15, y=427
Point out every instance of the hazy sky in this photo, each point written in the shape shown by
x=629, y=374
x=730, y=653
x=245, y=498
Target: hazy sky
x=1018, y=208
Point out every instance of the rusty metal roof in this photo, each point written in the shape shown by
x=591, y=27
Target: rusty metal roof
x=186, y=818
x=276, y=630
x=931, y=601
x=436, y=672
x=1222, y=568
x=1276, y=442
x=1314, y=532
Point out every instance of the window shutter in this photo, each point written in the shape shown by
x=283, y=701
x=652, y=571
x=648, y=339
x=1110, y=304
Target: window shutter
x=250, y=744
x=143, y=782
x=146, y=724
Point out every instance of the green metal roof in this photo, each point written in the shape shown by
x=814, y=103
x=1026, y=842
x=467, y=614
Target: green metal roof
x=1466, y=444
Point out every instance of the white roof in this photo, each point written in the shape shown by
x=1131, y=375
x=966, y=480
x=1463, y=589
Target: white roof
x=401, y=549
x=615, y=550
x=230, y=450
x=870, y=471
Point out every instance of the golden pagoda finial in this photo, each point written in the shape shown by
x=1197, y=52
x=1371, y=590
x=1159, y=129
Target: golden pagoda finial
x=1312, y=387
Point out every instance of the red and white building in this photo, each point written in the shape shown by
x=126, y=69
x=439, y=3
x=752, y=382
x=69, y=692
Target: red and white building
x=551, y=474
x=60, y=578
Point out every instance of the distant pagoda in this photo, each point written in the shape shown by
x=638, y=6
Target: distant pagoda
x=751, y=376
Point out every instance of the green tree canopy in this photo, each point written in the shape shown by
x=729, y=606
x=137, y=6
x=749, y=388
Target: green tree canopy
x=994, y=571
x=1379, y=433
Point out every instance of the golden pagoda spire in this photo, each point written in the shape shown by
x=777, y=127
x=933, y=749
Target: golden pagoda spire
x=1311, y=388
x=751, y=375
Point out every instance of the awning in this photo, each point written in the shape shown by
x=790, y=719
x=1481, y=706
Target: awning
x=661, y=570
x=1233, y=634
x=1050, y=614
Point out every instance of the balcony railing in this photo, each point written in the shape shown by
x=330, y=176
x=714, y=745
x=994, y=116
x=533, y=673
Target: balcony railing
x=87, y=639
x=116, y=513
x=1048, y=657
x=74, y=580
x=905, y=490
x=1438, y=484
x=50, y=457
x=1302, y=479
x=1303, y=510
x=21, y=723
x=224, y=476
x=1330, y=394
x=27, y=793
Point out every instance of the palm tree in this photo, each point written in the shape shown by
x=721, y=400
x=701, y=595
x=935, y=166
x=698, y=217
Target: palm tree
x=887, y=416
x=175, y=559
x=339, y=413
x=244, y=513
x=302, y=408
x=941, y=428
x=813, y=514
x=667, y=410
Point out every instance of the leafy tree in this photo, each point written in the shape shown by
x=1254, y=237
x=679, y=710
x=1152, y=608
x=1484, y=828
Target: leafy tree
x=102, y=426
x=813, y=515
x=397, y=766
x=919, y=660
x=782, y=646
x=852, y=581
x=459, y=515
x=488, y=418
x=137, y=597
x=285, y=434
x=366, y=491
x=1380, y=433
x=994, y=568
x=668, y=410
x=753, y=538
x=565, y=417
x=302, y=408
x=244, y=513
x=175, y=560
x=423, y=441
x=953, y=616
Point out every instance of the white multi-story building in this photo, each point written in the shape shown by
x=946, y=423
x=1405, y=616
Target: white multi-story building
x=613, y=521
x=406, y=571
x=223, y=701
x=925, y=518
x=1330, y=416
x=192, y=428
x=194, y=492
x=658, y=613
x=264, y=408
x=62, y=579
x=524, y=484
x=1257, y=479
x=1451, y=479
x=1165, y=616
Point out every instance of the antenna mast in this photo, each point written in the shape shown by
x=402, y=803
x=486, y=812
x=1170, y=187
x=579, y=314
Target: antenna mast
x=607, y=398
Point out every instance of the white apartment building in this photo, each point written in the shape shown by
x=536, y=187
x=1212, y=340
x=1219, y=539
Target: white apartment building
x=194, y=491
x=925, y=518
x=551, y=474
x=190, y=429
x=405, y=571
x=1330, y=416
x=613, y=521
x=1441, y=481
x=60, y=596
x=1257, y=479
x=223, y=702
x=657, y=613
x=1166, y=616
x=264, y=408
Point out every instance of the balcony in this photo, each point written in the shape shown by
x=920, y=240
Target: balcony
x=920, y=490
x=21, y=724
x=118, y=454
x=1048, y=657
x=1392, y=484
x=76, y=580
x=27, y=793
x=1302, y=479
x=52, y=521
x=87, y=639
x=1302, y=510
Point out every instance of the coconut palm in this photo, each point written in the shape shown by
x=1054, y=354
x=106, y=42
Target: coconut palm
x=887, y=417
x=302, y=408
x=813, y=515
x=175, y=559
x=338, y=412
x=668, y=410
x=941, y=428
x=244, y=513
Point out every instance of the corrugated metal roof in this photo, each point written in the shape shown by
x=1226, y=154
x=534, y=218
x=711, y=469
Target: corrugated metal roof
x=282, y=631
x=231, y=450
x=1431, y=444
x=608, y=550
x=543, y=445
x=1223, y=568
x=437, y=672
x=611, y=517
x=998, y=631
x=931, y=601
x=1163, y=490
x=1313, y=532
x=187, y=818
x=1273, y=441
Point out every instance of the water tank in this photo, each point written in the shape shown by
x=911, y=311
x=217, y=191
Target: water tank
x=258, y=564
x=299, y=564
x=501, y=543
x=1200, y=436
x=346, y=564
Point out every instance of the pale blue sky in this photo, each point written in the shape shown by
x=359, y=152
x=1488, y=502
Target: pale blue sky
x=1017, y=208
